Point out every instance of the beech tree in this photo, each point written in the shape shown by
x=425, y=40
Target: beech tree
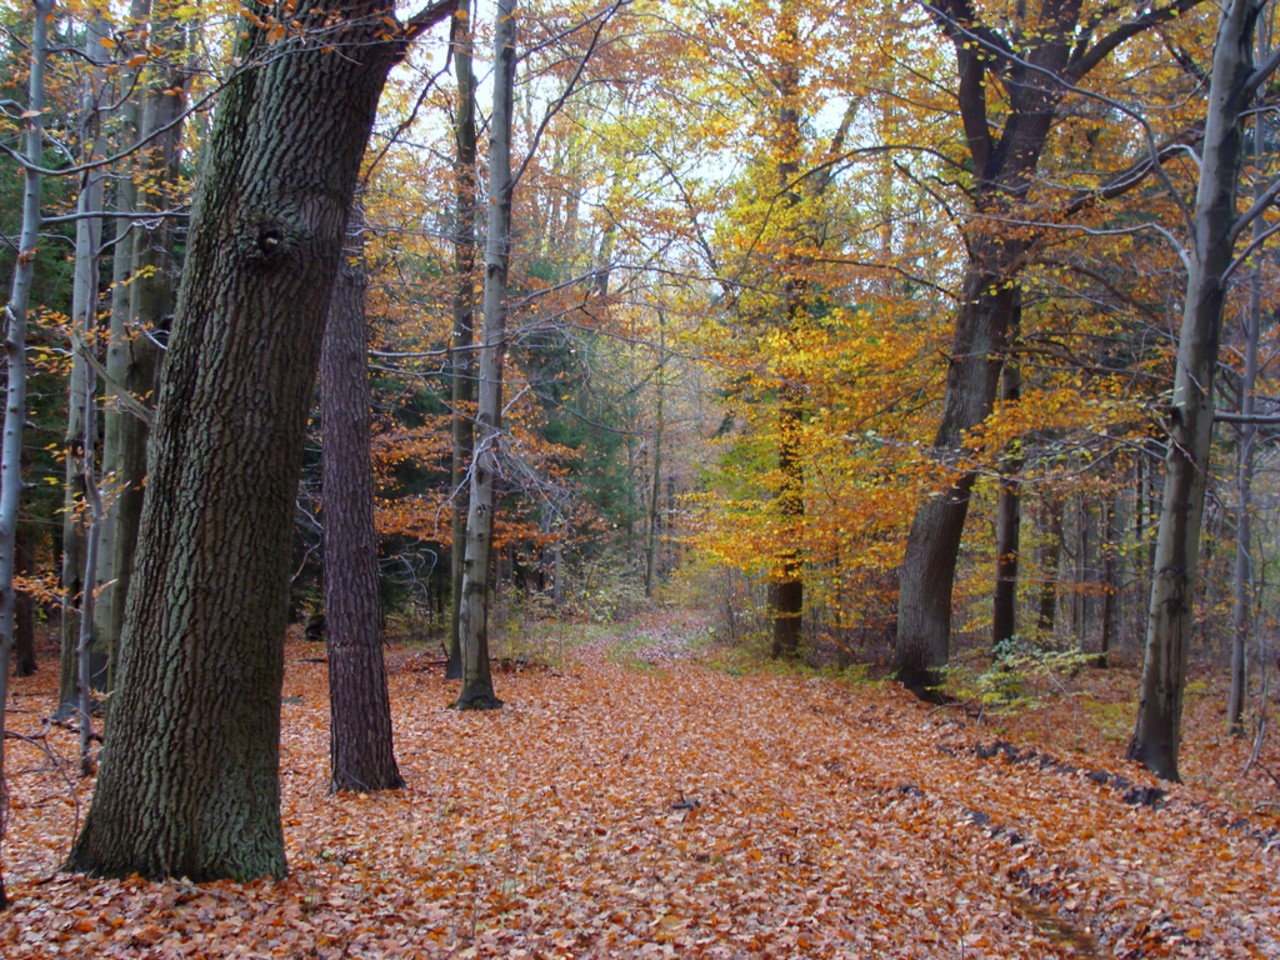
x=1215, y=225
x=15, y=346
x=462, y=359
x=189, y=782
x=1048, y=48
x=477, y=680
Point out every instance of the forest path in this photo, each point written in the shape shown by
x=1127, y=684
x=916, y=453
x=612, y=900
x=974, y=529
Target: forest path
x=634, y=801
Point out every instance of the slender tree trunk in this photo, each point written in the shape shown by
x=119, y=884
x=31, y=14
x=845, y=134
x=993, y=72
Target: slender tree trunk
x=84, y=320
x=786, y=592
x=655, y=491
x=1110, y=583
x=1158, y=732
x=1050, y=564
x=360, y=745
x=462, y=360
x=1004, y=617
x=25, y=609
x=1244, y=593
x=477, y=681
x=133, y=356
x=15, y=345
x=189, y=783
x=786, y=588
x=1084, y=573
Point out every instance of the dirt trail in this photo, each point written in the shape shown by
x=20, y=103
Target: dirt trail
x=635, y=802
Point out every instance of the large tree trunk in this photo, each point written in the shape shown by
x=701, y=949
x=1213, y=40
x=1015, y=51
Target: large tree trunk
x=1004, y=153
x=15, y=346
x=1157, y=736
x=190, y=770
x=360, y=747
x=477, y=681
x=462, y=362
x=929, y=565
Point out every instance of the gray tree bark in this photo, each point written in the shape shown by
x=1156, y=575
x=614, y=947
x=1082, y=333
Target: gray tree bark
x=189, y=782
x=462, y=360
x=1215, y=225
x=84, y=318
x=15, y=345
x=133, y=357
x=477, y=680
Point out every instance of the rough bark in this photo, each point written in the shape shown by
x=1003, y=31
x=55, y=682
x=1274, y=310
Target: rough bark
x=361, y=756
x=189, y=782
x=15, y=346
x=1157, y=736
x=462, y=360
x=477, y=680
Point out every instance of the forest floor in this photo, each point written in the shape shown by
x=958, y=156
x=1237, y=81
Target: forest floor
x=645, y=793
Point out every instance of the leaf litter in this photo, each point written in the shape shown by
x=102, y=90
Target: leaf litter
x=650, y=805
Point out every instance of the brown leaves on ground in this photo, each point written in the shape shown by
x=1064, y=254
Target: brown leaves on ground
x=646, y=805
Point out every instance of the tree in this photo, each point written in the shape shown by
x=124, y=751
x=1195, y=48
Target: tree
x=15, y=411
x=1048, y=50
x=189, y=782
x=1214, y=226
x=462, y=385
x=360, y=745
x=146, y=273
x=477, y=681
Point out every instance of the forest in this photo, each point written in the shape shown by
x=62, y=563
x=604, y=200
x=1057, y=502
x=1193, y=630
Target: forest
x=574, y=478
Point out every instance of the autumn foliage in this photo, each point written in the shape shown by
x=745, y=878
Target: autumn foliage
x=635, y=800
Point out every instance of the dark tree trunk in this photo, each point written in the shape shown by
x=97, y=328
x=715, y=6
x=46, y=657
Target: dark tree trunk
x=360, y=747
x=1004, y=153
x=1050, y=564
x=1110, y=583
x=786, y=592
x=24, y=636
x=190, y=771
x=786, y=589
x=1084, y=573
x=1004, y=615
x=933, y=546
